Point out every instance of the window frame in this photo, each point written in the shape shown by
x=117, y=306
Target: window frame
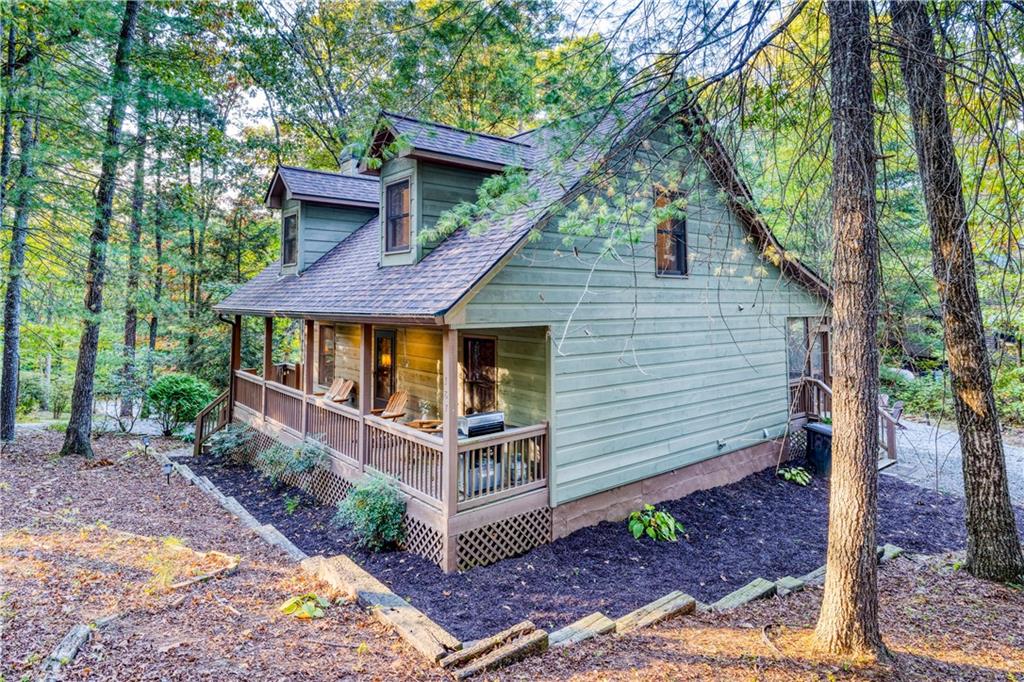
x=389, y=248
x=467, y=340
x=678, y=231
x=322, y=354
x=290, y=213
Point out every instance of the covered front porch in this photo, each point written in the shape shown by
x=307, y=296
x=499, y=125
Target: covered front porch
x=409, y=391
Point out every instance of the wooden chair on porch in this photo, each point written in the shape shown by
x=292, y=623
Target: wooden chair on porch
x=394, y=408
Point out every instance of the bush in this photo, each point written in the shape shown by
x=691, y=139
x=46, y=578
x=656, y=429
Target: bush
x=1009, y=389
x=31, y=394
x=60, y=397
x=229, y=443
x=176, y=399
x=655, y=524
x=373, y=510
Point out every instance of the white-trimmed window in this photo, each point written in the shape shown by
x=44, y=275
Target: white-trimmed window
x=290, y=238
x=397, y=217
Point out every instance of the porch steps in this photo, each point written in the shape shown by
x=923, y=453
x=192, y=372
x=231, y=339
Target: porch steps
x=758, y=588
x=585, y=628
x=423, y=634
x=672, y=604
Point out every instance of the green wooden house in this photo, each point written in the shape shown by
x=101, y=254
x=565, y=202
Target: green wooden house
x=675, y=362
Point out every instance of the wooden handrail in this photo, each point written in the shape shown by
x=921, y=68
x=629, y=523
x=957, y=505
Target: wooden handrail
x=248, y=375
x=407, y=432
x=503, y=436
x=885, y=419
x=285, y=390
x=201, y=434
x=346, y=410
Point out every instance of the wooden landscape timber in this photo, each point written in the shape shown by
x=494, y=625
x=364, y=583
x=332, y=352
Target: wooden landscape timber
x=516, y=650
x=672, y=604
x=487, y=644
x=348, y=578
x=758, y=588
x=585, y=628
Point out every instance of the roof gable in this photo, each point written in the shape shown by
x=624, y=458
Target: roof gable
x=443, y=143
x=324, y=187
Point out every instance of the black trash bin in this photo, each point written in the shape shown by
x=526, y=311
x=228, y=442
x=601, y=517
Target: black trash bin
x=819, y=448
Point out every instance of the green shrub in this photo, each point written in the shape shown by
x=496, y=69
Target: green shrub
x=657, y=524
x=31, y=394
x=228, y=444
x=1009, y=388
x=60, y=397
x=797, y=475
x=273, y=462
x=176, y=399
x=373, y=510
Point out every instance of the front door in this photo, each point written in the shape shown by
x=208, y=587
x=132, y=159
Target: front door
x=383, y=366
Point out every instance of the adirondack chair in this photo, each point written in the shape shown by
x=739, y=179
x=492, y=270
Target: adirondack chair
x=896, y=412
x=335, y=385
x=342, y=393
x=395, y=407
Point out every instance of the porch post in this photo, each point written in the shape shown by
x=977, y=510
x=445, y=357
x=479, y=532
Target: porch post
x=365, y=393
x=235, y=363
x=307, y=372
x=450, y=436
x=268, y=358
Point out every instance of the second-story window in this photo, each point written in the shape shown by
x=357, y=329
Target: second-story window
x=289, y=239
x=396, y=231
x=670, y=241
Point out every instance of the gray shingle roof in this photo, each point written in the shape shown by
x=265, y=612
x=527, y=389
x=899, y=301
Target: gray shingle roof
x=348, y=280
x=314, y=183
x=442, y=139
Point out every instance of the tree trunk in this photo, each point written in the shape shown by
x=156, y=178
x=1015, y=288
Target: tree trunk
x=848, y=622
x=158, y=249
x=8, y=125
x=131, y=310
x=76, y=439
x=15, y=268
x=993, y=546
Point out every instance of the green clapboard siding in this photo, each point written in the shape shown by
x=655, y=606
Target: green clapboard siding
x=650, y=373
x=441, y=188
x=321, y=228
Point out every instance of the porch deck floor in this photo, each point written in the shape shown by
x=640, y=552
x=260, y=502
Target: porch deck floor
x=758, y=527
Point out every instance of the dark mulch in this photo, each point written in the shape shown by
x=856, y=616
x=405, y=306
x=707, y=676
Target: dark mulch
x=758, y=527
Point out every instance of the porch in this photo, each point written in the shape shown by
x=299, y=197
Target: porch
x=471, y=499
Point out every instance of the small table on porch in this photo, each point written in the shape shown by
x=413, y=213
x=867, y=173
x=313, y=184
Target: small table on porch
x=426, y=425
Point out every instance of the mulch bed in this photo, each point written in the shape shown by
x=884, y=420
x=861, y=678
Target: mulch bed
x=758, y=527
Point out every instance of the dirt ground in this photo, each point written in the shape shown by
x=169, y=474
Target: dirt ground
x=82, y=541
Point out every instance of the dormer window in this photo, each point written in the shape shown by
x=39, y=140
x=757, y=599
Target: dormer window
x=397, y=223
x=289, y=239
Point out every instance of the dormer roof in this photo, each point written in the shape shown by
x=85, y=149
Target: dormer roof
x=446, y=144
x=322, y=187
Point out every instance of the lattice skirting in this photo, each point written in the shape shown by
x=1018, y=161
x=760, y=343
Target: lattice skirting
x=796, y=444
x=502, y=539
x=423, y=540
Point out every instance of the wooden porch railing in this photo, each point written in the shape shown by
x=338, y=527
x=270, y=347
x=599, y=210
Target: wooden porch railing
x=410, y=456
x=337, y=425
x=210, y=420
x=502, y=464
x=283, y=404
x=490, y=468
x=813, y=398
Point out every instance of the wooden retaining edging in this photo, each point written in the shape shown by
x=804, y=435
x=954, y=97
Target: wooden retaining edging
x=345, y=576
x=672, y=604
x=585, y=628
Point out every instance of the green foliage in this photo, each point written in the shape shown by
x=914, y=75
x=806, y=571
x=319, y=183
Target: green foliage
x=229, y=443
x=292, y=503
x=797, y=475
x=1009, y=389
x=923, y=396
x=176, y=399
x=656, y=524
x=374, y=510
x=305, y=606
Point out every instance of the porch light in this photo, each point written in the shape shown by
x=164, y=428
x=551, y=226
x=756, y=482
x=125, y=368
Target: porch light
x=385, y=359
